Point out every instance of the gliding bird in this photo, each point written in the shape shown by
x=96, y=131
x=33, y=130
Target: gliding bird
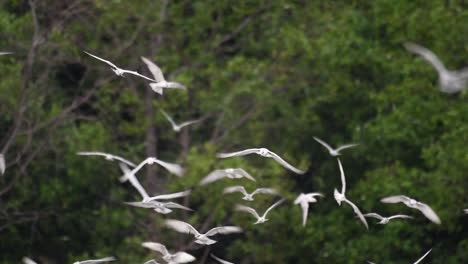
x=340, y=197
x=449, y=81
x=226, y=173
x=160, y=82
x=334, y=152
x=177, y=127
x=264, y=153
x=178, y=257
x=162, y=207
x=385, y=220
x=411, y=203
x=260, y=219
x=93, y=261
x=249, y=196
x=303, y=200
x=200, y=238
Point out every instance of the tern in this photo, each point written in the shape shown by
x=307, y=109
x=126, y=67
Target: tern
x=264, y=153
x=449, y=81
x=178, y=257
x=202, y=239
x=220, y=260
x=385, y=220
x=119, y=71
x=177, y=127
x=160, y=82
x=2, y=164
x=260, y=219
x=93, y=261
x=27, y=260
x=230, y=173
x=303, y=200
x=422, y=207
x=162, y=207
x=334, y=152
x=340, y=197
x=107, y=156
x=249, y=196
x=173, y=168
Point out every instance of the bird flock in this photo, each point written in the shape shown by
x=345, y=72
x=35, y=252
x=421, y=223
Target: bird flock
x=449, y=82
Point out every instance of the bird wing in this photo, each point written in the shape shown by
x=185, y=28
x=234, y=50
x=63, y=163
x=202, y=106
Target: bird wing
x=223, y=230
x=101, y=59
x=141, y=204
x=175, y=85
x=130, y=176
x=173, y=168
x=152, y=261
x=92, y=153
x=173, y=124
x=343, y=178
x=374, y=215
x=188, y=123
x=176, y=205
x=358, y=213
x=305, y=212
x=170, y=195
x=428, y=212
x=400, y=216
x=345, y=147
x=238, y=153
x=247, y=209
x=213, y=176
x=244, y=173
x=426, y=54
x=395, y=199
x=138, y=74
x=183, y=257
x=301, y=197
x=330, y=149
x=5, y=53
x=273, y=206
x=220, y=260
x=27, y=260
x=92, y=261
x=2, y=164
x=181, y=227
x=311, y=196
x=235, y=189
x=129, y=163
x=285, y=164
x=265, y=191
x=154, y=69
x=156, y=247
x=419, y=260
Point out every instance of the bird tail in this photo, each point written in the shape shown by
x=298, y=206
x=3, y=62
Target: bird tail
x=156, y=88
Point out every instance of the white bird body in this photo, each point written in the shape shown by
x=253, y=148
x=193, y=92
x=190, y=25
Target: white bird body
x=264, y=153
x=2, y=164
x=260, y=219
x=222, y=261
x=200, y=238
x=178, y=127
x=94, y=261
x=107, y=156
x=332, y=151
x=449, y=81
x=303, y=200
x=249, y=196
x=231, y=173
x=341, y=197
x=119, y=71
x=27, y=260
x=178, y=257
x=422, y=207
x=160, y=82
x=385, y=220
x=159, y=207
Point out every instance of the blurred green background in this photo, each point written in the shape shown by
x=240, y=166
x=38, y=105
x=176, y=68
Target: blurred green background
x=260, y=74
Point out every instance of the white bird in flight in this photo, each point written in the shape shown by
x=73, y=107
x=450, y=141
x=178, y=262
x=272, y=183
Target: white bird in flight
x=385, y=220
x=119, y=71
x=2, y=164
x=230, y=173
x=340, y=197
x=332, y=151
x=260, y=219
x=177, y=127
x=222, y=261
x=107, y=156
x=162, y=207
x=303, y=200
x=93, y=261
x=178, y=257
x=203, y=239
x=449, y=81
x=264, y=153
x=27, y=260
x=422, y=207
x=249, y=196
x=160, y=82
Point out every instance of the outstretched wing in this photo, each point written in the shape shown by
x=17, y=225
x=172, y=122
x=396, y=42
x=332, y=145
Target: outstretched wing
x=181, y=227
x=156, y=247
x=273, y=206
x=154, y=69
x=223, y=230
x=130, y=176
x=426, y=54
x=103, y=60
x=346, y=146
x=173, y=124
x=182, y=257
x=213, y=176
x=188, y=123
x=285, y=164
x=93, y=261
x=220, y=260
x=419, y=260
x=235, y=189
x=305, y=212
x=265, y=191
x=238, y=153
x=173, y=168
x=177, y=206
x=170, y=195
x=175, y=85
x=374, y=215
x=358, y=213
x=395, y=199
x=400, y=216
x=140, y=204
x=323, y=143
x=343, y=178
x=247, y=209
x=244, y=173
x=5, y=53
x=428, y=212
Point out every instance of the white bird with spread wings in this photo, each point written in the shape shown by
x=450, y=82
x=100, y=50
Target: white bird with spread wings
x=203, y=239
x=178, y=127
x=260, y=219
x=249, y=196
x=229, y=173
x=412, y=203
x=160, y=82
x=303, y=200
x=332, y=151
x=178, y=257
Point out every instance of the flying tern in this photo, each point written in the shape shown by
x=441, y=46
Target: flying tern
x=200, y=238
x=249, y=196
x=422, y=207
x=160, y=82
x=332, y=151
x=264, y=153
x=260, y=219
x=230, y=173
x=178, y=257
x=177, y=127
x=303, y=200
